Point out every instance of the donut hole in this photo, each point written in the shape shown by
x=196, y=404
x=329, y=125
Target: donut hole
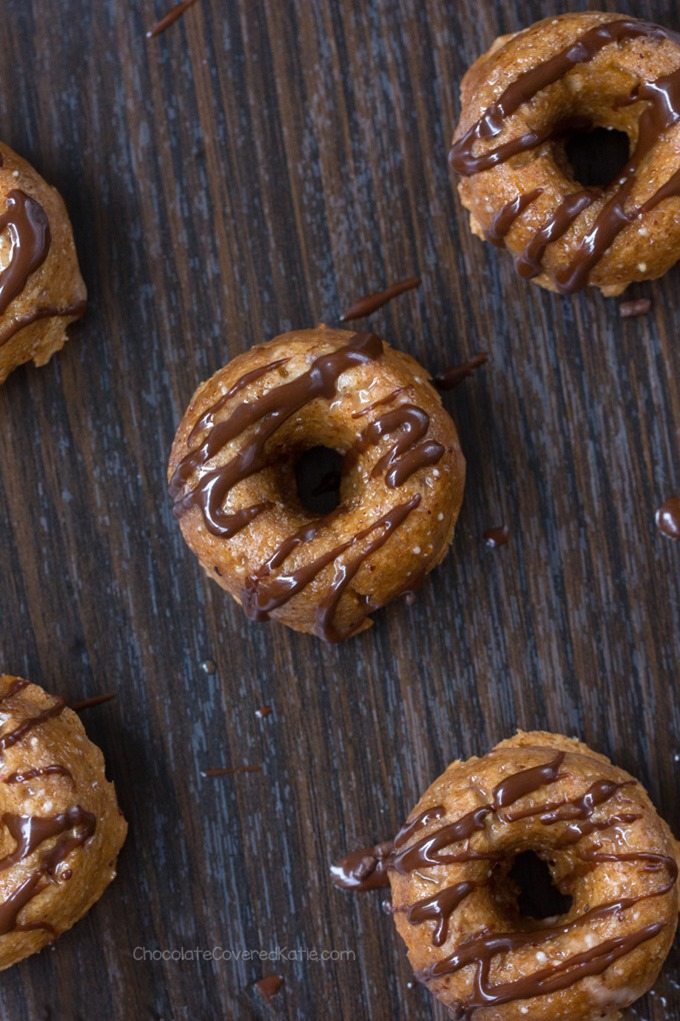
x=318, y=475
x=527, y=890
x=596, y=156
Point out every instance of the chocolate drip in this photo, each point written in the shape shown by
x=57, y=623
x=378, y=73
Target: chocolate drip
x=261, y=595
x=365, y=869
x=661, y=113
x=12, y=737
x=529, y=263
x=411, y=451
x=29, y=232
x=668, y=518
x=24, y=775
x=266, y=414
x=372, y=302
x=173, y=15
x=48, y=312
x=503, y=221
x=325, y=613
x=206, y=420
x=552, y=979
x=439, y=909
x=379, y=403
x=17, y=685
x=450, y=378
x=527, y=781
x=89, y=703
x=428, y=851
x=30, y=832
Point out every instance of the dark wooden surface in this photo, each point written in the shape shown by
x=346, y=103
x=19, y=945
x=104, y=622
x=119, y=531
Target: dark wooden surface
x=257, y=167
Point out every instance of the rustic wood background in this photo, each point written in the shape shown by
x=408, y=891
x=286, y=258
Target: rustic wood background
x=257, y=167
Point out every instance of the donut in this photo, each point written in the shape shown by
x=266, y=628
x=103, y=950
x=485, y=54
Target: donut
x=232, y=479
x=530, y=92
x=456, y=904
x=41, y=289
x=61, y=826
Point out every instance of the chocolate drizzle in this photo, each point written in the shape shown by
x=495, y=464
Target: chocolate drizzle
x=29, y=832
x=661, y=113
x=173, y=15
x=73, y=827
x=20, y=323
x=369, y=869
x=411, y=451
x=271, y=586
x=25, y=775
x=452, y=377
x=29, y=232
x=372, y=302
x=90, y=703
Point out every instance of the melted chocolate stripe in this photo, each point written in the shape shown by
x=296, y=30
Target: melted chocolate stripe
x=411, y=451
x=30, y=832
x=503, y=221
x=526, y=782
x=529, y=263
x=549, y=980
x=24, y=775
x=262, y=595
x=329, y=604
x=372, y=302
x=439, y=909
x=29, y=232
x=19, y=323
x=16, y=686
x=12, y=737
x=450, y=378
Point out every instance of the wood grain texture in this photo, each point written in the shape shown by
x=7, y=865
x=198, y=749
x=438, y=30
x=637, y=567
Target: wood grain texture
x=258, y=167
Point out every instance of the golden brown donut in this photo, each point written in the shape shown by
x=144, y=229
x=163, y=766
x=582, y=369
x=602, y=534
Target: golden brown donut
x=61, y=826
x=455, y=903
x=232, y=478
x=41, y=289
x=520, y=100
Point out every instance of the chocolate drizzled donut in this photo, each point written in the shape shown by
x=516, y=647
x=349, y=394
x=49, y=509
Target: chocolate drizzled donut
x=41, y=290
x=520, y=101
x=231, y=478
x=605, y=846
x=60, y=827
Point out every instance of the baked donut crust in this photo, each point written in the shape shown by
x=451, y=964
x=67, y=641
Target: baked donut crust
x=41, y=289
x=517, y=102
x=232, y=479
x=61, y=826
x=455, y=905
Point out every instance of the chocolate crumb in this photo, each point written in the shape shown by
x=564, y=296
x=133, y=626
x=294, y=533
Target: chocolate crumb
x=269, y=986
x=495, y=537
